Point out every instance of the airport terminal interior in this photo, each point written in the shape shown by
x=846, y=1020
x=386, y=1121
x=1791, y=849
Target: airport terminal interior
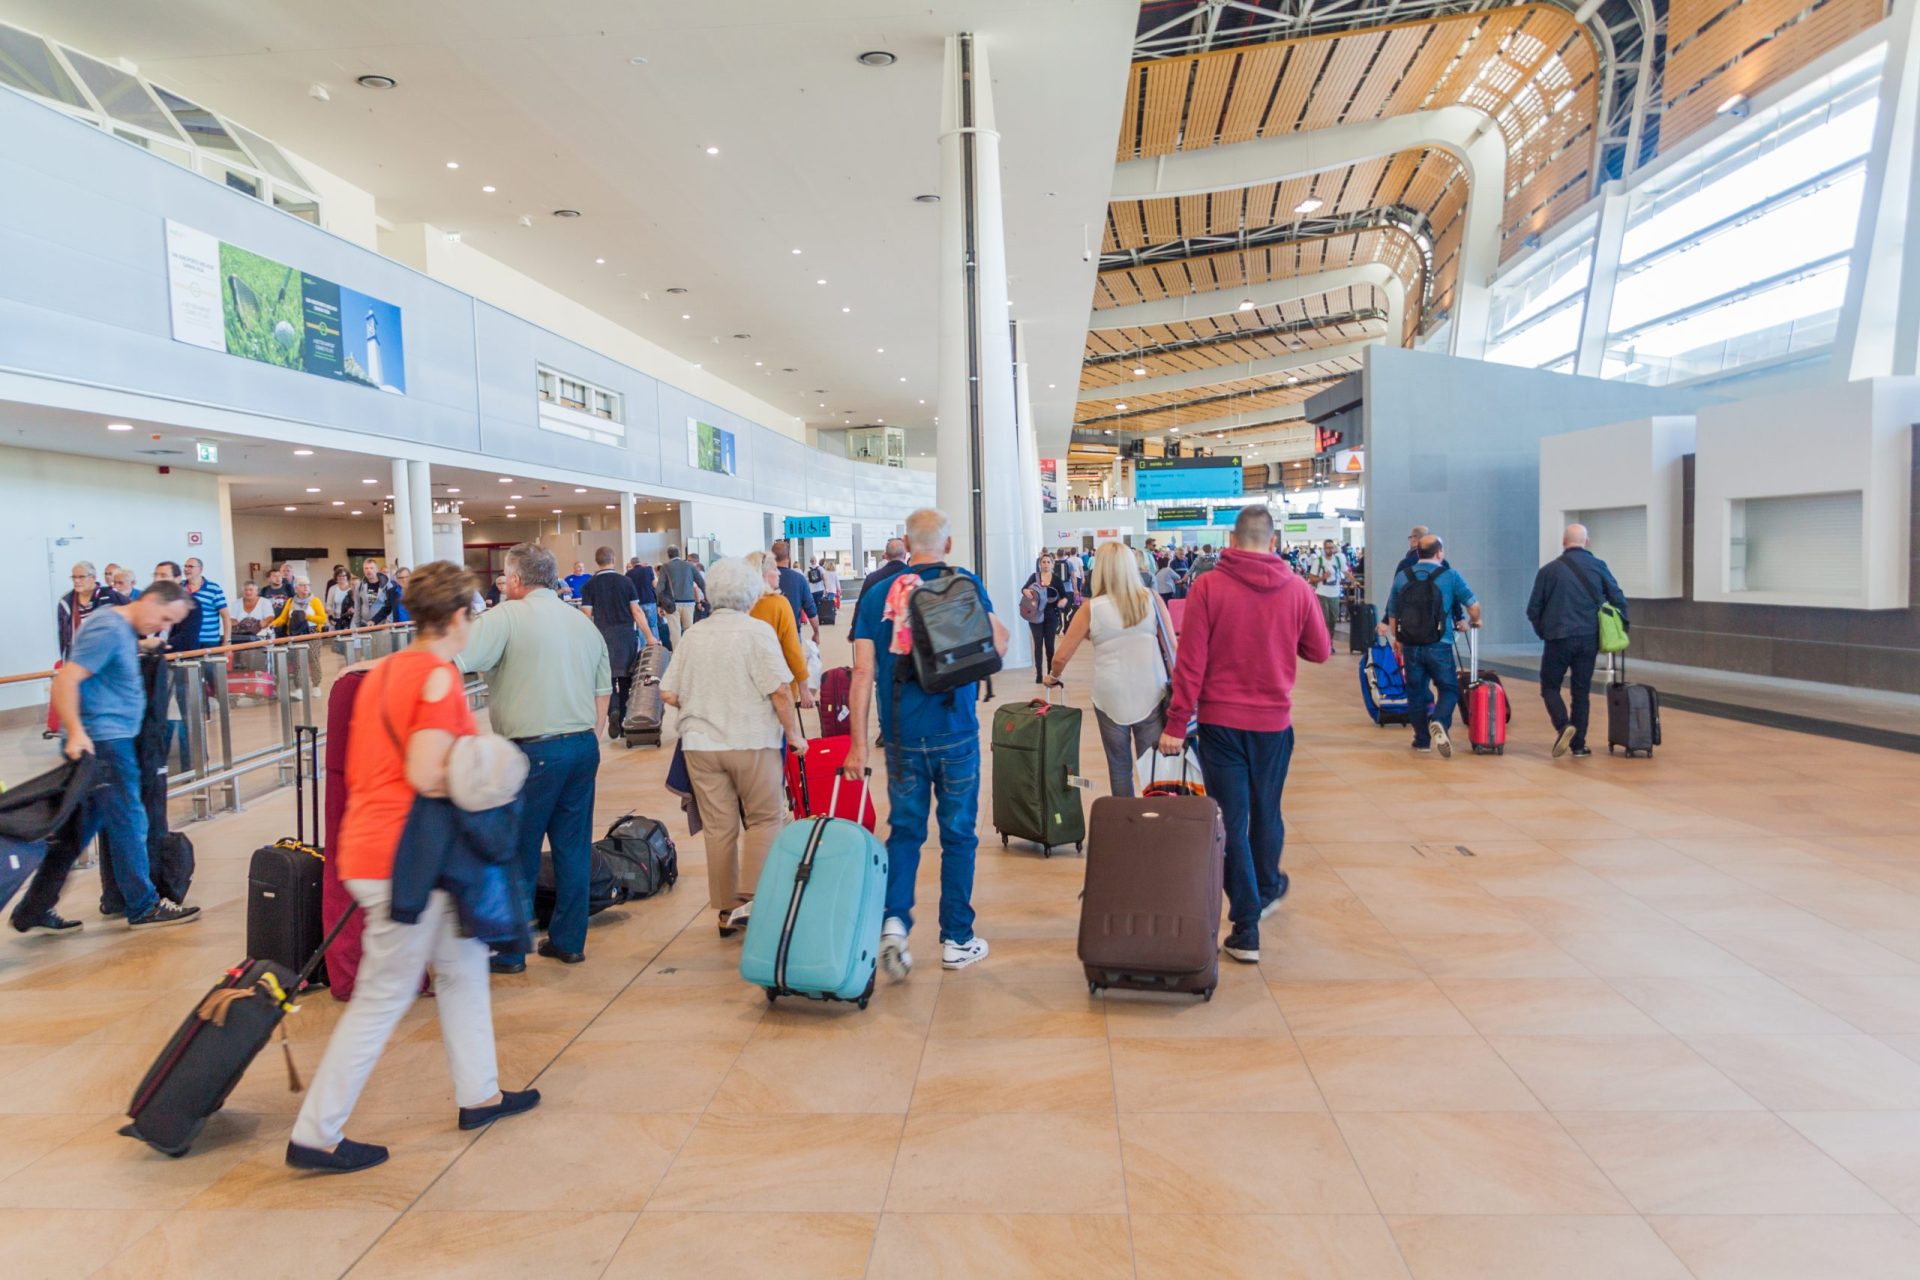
x=1188, y=884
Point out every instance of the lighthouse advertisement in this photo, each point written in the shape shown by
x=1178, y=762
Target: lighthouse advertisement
x=230, y=299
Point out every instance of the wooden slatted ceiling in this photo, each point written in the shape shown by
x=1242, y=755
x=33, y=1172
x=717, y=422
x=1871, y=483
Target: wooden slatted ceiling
x=1341, y=302
x=1718, y=48
x=1362, y=297
x=1529, y=67
x=1177, y=408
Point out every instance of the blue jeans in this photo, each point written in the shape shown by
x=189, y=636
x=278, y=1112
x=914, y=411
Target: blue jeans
x=1239, y=765
x=918, y=772
x=653, y=618
x=116, y=808
x=1430, y=665
x=556, y=807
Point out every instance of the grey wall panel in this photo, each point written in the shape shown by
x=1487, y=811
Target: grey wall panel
x=830, y=484
x=781, y=464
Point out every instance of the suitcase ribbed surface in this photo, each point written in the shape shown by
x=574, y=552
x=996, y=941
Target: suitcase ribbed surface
x=1150, y=917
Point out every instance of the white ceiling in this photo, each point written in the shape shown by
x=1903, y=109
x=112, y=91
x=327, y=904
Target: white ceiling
x=817, y=153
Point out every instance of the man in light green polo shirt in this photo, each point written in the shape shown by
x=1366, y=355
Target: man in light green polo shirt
x=547, y=686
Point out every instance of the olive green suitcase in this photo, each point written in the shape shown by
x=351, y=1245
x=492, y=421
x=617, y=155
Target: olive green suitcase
x=1036, y=764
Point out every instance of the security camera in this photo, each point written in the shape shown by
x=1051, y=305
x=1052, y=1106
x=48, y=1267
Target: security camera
x=1086, y=255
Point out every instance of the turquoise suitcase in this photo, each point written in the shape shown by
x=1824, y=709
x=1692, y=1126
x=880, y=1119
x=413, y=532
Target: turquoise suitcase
x=815, y=928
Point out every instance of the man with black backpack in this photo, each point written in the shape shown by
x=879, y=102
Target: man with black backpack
x=1421, y=609
x=925, y=693
x=1568, y=594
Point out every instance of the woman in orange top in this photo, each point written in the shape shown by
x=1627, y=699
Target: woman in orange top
x=408, y=714
x=774, y=610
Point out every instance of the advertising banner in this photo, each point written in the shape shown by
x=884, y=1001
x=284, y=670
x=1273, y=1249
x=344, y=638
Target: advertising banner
x=226, y=298
x=709, y=448
x=1049, y=485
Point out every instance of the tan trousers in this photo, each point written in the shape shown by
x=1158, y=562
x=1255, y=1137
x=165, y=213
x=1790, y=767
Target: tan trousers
x=742, y=808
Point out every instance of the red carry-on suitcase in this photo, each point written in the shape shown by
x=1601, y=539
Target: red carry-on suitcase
x=1483, y=703
x=817, y=788
x=1150, y=914
x=343, y=956
x=836, y=692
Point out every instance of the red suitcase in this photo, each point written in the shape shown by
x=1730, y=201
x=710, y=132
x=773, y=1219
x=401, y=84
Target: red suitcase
x=343, y=953
x=1483, y=704
x=819, y=789
x=836, y=692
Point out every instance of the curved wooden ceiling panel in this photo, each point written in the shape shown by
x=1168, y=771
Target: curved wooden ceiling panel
x=1177, y=408
x=1718, y=48
x=1309, y=324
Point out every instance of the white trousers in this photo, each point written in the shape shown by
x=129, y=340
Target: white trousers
x=392, y=958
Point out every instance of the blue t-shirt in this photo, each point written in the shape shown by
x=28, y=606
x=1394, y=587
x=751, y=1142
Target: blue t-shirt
x=641, y=576
x=575, y=581
x=922, y=715
x=799, y=593
x=211, y=600
x=1455, y=595
x=112, y=699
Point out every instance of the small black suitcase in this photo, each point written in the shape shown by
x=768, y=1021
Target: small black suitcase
x=1633, y=713
x=1360, y=627
x=284, y=878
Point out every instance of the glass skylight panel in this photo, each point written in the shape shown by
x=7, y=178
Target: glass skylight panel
x=27, y=64
x=270, y=157
x=203, y=128
x=121, y=95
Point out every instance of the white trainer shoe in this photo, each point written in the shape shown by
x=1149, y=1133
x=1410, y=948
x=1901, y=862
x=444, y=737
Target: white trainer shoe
x=895, y=960
x=958, y=955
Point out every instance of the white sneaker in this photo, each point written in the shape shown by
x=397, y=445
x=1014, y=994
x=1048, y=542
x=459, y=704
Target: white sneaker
x=895, y=960
x=1564, y=742
x=958, y=955
x=738, y=920
x=1441, y=742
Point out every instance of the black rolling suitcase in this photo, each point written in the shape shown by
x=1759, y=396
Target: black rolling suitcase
x=1633, y=712
x=284, y=880
x=213, y=1048
x=1361, y=623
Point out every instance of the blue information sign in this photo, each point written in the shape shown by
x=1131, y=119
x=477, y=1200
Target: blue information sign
x=1174, y=478
x=809, y=526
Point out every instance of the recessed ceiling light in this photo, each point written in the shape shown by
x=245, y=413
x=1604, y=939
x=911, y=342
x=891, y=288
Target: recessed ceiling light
x=599, y=262
x=488, y=190
x=758, y=363
x=303, y=453
x=610, y=506
x=796, y=251
x=713, y=151
x=556, y=511
x=513, y=515
x=880, y=350
x=1291, y=380
x=511, y=507
x=1246, y=304
x=289, y=508
x=685, y=316
x=313, y=490
x=845, y=310
x=119, y=426
x=1310, y=205
x=338, y=503
x=1119, y=406
x=1049, y=386
x=353, y=513
x=375, y=82
x=514, y=496
x=877, y=58
x=823, y=403
x=566, y=213
x=579, y=490
x=923, y=402
x=377, y=482
x=389, y=497
x=453, y=164
x=928, y=198
x=453, y=490
x=903, y=379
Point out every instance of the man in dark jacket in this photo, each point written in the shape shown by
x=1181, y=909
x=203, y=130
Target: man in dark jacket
x=1565, y=613
x=1412, y=557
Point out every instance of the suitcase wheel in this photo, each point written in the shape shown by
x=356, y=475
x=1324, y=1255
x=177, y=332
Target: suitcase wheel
x=1079, y=846
x=772, y=995
x=1093, y=988
x=1206, y=997
x=862, y=1001
x=1003, y=839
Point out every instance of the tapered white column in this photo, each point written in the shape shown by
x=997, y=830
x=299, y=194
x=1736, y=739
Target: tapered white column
x=1029, y=472
x=400, y=532
x=1879, y=329
x=420, y=504
x=977, y=444
x=628, y=543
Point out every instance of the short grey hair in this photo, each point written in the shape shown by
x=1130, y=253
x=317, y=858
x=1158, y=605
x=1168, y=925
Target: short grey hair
x=533, y=564
x=732, y=583
x=83, y=566
x=927, y=531
x=760, y=560
x=896, y=548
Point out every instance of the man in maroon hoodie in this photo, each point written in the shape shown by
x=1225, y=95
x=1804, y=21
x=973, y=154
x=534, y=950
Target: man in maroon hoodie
x=1247, y=625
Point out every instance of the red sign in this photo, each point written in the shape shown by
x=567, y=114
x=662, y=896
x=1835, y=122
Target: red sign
x=1325, y=438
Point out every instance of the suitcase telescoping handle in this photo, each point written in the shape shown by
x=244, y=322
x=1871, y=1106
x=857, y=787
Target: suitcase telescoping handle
x=306, y=764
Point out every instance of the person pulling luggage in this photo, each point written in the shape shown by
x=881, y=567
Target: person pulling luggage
x=1568, y=595
x=1420, y=615
x=1132, y=639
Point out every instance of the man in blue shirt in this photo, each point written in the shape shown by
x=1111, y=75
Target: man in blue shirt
x=640, y=574
x=102, y=700
x=214, y=619
x=794, y=586
x=578, y=579
x=933, y=750
x=1424, y=637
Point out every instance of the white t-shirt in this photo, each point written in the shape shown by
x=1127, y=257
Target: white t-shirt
x=1335, y=567
x=1129, y=674
x=723, y=671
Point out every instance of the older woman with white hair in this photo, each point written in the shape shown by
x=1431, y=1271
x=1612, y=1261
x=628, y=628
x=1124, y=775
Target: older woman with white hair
x=730, y=683
x=773, y=609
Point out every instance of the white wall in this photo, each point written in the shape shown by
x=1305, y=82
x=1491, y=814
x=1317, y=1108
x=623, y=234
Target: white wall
x=1638, y=464
x=108, y=511
x=737, y=530
x=254, y=537
x=345, y=210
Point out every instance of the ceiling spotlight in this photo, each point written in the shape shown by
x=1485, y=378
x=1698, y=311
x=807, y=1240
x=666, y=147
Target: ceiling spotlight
x=758, y=363
x=713, y=151
x=845, y=310
x=685, y=316
x=880, y=350
x=119, y=426
x=488, y=190
x=610, y=506
x=1246, y=304
x=312, y=490
x=821, y=280
x=1120, y=406
x=566, y=213
x=353, y=513
x=514, y=496
x=453, y=164
x=338, y=503
x=453, y=491
x=1292, y=380
x=903, y=379
x=876, y=58
x=289, y=508
x=579, y=490
x=599, y=262
x=1312, y=204
x=377, y=482
x=510, y=506
x=513, y=515
x=923, y=402
x=376, y=82
x=556, y=511
x=506, y=479
x=303, y=453
x=1139, y=371
x=927, y=198
x=796, y=251
x=1736, y=106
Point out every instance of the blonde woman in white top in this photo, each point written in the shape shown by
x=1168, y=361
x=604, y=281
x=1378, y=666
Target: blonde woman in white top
x=1126, y=623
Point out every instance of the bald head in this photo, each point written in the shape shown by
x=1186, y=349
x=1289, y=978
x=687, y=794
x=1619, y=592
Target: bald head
x=1575, y=536
x=929, y=532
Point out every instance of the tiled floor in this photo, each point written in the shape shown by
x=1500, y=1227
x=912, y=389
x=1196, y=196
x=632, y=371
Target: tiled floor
x=1519, y=1018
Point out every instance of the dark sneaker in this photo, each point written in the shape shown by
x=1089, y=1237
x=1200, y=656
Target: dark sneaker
x=552, y=952
x=511, y=1103
x=1563, y=743
x=1577, y=752
x=1244, y=944
x=500, y=964
x=163, y=914
x=113, y=913
x=50, y=922
x=348, y=1157
x=1272, y=904
x=1423, y=746
x=1441, y=742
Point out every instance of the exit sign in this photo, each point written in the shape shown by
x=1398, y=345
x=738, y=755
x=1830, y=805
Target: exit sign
x=809, y=526
x=205, y=452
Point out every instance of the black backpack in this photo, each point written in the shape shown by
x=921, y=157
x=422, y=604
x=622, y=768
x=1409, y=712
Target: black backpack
x=815, y=576
x=952, y=636
x=1421, y=614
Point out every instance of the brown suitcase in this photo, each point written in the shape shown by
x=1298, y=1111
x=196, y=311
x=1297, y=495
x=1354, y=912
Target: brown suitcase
x=1150, y=915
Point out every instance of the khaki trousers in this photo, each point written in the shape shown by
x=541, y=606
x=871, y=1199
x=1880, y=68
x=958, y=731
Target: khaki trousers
x=742, y=808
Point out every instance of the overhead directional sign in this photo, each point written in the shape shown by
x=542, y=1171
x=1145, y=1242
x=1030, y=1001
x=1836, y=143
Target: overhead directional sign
x=809, y=526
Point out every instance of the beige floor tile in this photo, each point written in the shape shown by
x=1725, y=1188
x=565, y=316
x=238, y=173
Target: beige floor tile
x=1545, y=1007
x=1755, y=1005
x=1413, y=1073
x=99, y=1169
x=587, y=1161
x=1619, y=1073
x=744, y=1246
x=302, y=1244
x=1026, y=1246
x=728, y=1013
x=1241, y=1006
x=1050, y=1011
x=1335, y=945
x=1476, y=1163
x=1673, y=953
x=1907, y=1045
x=783, y=1164
x=1507, y=953
x=1238, y=1163
x=1324, y=1246
x=68, y=1244
x=637, y=1075
x=1827, y=950
x=1816, y=1073
x=57, y=1018
x=1065, y=1162
x=981, y=1075
x=1879, y=1005
x=25, y=1138
x=480, y=1245
x=80, y=1078
x=1790, y=1248
x=1529, y=1248
x=1877, y=1147
x=1729, y=1162
x=819, y=1074
x=897, y=1010
x=1369, y=1008
x=422, y=1147
x=1192, y=1074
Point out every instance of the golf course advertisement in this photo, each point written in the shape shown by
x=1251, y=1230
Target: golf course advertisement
x=709, y=448
x=226, y=298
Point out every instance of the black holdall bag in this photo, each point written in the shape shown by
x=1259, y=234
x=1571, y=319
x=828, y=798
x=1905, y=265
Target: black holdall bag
x=952, y=634
x=641, y=854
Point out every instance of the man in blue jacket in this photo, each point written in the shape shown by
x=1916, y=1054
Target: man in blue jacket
x=1565, y=613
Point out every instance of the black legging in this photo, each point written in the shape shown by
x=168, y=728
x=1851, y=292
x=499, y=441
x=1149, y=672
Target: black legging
x=1043, y=634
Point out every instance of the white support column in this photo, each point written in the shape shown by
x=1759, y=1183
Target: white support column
x=420, y=511
x=1486, y=155
x=627, y=541
x=1029, y=439
x=400, y=542
x=1609, y=235
x=227, y=563
x=1879, y=329
x=978, y=434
